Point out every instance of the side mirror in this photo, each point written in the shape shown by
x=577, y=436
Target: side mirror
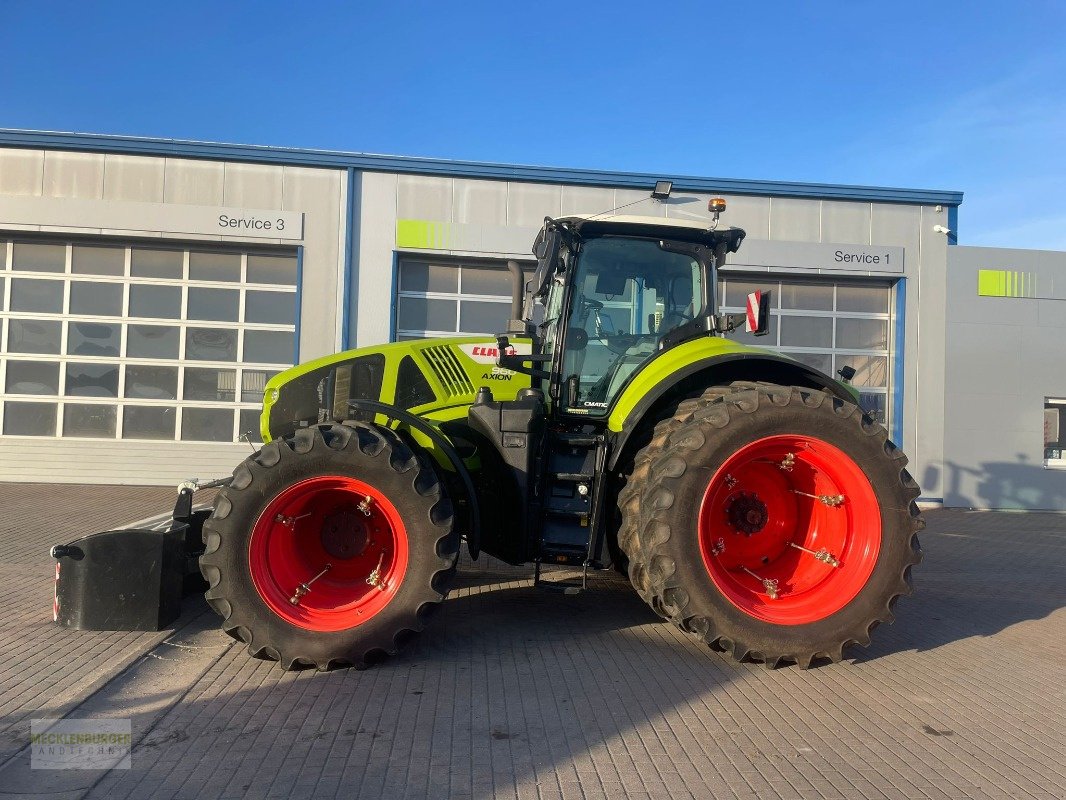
x=546, y=248
x=757, y=313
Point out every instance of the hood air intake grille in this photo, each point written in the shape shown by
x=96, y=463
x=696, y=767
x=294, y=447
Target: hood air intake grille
x=448, y=371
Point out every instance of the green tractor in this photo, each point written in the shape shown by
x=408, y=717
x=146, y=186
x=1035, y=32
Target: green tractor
x=749, y=499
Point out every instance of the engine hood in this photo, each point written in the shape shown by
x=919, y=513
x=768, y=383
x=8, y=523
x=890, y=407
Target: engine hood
x=419, y=376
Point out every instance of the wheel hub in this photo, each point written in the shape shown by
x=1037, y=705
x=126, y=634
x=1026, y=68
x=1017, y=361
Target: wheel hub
x=344, y=533
x=328, y=553
x=746, y=513
x=804, y=529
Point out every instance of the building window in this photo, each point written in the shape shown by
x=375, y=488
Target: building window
x=141, y=341
x=827, y=325
x=1055, y=433
x=452, y=298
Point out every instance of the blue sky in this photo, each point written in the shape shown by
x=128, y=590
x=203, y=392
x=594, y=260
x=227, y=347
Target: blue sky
x=968, y=96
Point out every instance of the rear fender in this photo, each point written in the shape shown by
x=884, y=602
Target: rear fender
x=644, y=399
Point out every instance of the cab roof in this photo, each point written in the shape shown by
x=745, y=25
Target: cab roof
x=686, y=230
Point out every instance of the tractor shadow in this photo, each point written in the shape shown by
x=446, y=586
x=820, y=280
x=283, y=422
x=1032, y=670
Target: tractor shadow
x=493, y=604
x=506, y=686
x=983, y=575
x=512, y=685
x=984, y=572
x=1020, y=484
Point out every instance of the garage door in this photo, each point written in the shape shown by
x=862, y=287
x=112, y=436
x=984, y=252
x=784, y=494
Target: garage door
x=140, y=341
x=445, y=298
x=828, y=325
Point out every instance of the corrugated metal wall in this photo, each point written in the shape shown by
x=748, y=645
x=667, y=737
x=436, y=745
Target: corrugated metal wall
x=1005, y=355
x=500, y=216
x=504, y=216
x=32, y=177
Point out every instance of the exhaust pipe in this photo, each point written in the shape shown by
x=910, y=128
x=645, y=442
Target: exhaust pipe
x=518, y=292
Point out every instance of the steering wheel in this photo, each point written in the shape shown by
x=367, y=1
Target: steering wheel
x=590, y=304
x=675, y=319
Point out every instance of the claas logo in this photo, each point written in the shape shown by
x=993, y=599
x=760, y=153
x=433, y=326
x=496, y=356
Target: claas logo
x=491, y=352
x=487, y=353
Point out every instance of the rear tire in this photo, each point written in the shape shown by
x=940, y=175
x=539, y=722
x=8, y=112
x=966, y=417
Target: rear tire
x=715, y=506
x=352, y=500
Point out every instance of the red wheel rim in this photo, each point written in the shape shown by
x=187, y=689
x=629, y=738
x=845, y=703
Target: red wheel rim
x=337, y=521
x=789, y=529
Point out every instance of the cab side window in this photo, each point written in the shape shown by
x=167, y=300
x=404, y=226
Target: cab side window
x=412, y=388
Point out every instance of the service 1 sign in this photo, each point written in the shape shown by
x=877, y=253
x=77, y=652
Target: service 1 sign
x=820, y=256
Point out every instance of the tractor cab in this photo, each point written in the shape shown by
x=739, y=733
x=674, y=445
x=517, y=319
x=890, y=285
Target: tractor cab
x=612, y=294
x=618, y=291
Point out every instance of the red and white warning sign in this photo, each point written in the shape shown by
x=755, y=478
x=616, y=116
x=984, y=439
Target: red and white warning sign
x=751, y=324
x=55, y=597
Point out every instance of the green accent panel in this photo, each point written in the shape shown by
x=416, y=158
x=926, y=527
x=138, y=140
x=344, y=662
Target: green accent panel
x=422, y=234
x=1005, y=283
x=992, y=283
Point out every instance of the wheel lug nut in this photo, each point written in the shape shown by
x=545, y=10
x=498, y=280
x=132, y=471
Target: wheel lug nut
x=822, y=555
x=769, y=585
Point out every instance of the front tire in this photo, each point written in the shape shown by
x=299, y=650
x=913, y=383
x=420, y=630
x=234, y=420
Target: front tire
x=777, y=523
x=329, y=548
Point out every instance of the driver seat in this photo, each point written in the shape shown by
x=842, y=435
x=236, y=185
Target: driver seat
x=679, y=296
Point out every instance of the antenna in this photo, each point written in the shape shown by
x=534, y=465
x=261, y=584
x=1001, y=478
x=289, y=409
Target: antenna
x=660, y=192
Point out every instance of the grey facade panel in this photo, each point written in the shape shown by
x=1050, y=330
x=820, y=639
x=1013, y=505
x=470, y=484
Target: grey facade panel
x=131, y=145
x=78, y=176
x=845, y=223
x=253, y=185
x=424, y=197
x=795, y=220
x=529, y=203
x=134, y=178
x=371, y=292
x=21, y=172
x=579, y=199
x=140, y=463
x=926, y=303
x=493, y=214
x=483, y=202
x=1004, y=355
x=198, y=183
x=898, y=224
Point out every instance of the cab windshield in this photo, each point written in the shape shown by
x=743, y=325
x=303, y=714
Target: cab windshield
x=628, y=293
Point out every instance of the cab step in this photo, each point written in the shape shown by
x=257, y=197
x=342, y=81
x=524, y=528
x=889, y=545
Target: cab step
x=569, y=586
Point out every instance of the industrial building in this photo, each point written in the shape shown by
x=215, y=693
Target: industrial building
x=150, y=287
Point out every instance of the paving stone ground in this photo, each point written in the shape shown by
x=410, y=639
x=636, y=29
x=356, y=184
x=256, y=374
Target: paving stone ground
x=521, y=693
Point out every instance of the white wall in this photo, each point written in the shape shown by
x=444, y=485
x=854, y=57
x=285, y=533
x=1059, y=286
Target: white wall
x=483, y=218
x=62, y=187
